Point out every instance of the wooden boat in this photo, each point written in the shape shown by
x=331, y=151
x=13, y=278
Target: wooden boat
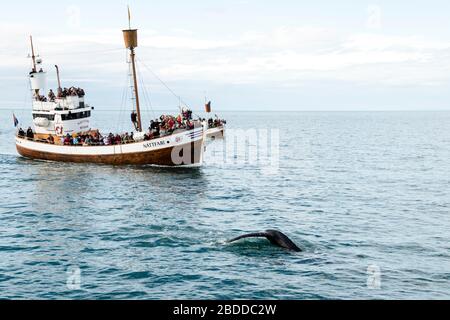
x=64, y=115
x=182, y=148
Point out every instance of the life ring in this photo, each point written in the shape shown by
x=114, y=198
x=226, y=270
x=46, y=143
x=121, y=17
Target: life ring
x=41, y=122
x=59, y=130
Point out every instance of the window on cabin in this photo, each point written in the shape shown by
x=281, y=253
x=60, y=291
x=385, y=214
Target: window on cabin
x=50, y=117
x=75, y=116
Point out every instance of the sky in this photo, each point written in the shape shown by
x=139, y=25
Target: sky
x=285, y=55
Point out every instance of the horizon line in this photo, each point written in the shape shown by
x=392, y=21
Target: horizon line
x=161, y=109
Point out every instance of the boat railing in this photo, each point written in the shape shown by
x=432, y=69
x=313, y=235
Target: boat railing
x=43, y=106
x=34, y=140
x=214, y=126
x=94, y=144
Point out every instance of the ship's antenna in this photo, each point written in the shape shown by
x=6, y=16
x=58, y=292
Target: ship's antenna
x=129, y=18
x=131, y=42
x=59, y=79
x=33, y=56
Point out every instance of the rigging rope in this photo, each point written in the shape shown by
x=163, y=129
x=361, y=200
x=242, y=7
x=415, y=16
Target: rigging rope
x=167, y=87
x=124, y=96
x=163, y=83
x=123, y=104
x=146, y=94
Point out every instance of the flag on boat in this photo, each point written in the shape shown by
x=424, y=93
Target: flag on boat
x=16, y=121
x=208, y=107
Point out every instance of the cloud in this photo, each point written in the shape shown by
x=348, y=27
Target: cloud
x=286, y=53
x=379, y=42
x=299, y=54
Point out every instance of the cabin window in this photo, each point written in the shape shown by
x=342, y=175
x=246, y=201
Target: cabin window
x=50, y=117
x=76, y=115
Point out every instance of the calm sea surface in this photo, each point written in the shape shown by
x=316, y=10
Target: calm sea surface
x=357, y=191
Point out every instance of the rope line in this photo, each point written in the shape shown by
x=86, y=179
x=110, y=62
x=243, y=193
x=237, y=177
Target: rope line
x=163, y=83
x=146, y=94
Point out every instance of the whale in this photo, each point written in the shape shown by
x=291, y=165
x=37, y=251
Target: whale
x=275, y=237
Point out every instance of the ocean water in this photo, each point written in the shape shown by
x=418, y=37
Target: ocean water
x=365, y=194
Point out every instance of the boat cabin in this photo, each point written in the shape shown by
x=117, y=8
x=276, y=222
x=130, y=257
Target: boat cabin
x=57, y=114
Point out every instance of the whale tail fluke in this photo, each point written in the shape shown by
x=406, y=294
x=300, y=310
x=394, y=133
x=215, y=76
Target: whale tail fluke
x=275, y=237
x=250, y=235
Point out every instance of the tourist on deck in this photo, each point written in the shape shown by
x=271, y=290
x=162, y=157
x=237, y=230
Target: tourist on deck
x=30, y=133
x=171, y=124
x=21, y=133
x=51, y=96
x=134, y=120
x=126, y=138
x=154, y=127
x=189, y=125
x=118, y=139
x=40, y=98
x=87, y=141
x=187, y=114
x=179, y=121
x=97, y=139
x=72, y=92
x=157, y=132
x=67, y=140
x=50, y=139
x=109, y=139
x=148, y=136
x=162, y=124
x=80, y=93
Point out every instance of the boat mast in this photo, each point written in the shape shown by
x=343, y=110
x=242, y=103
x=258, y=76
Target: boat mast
x=130, y=37
x=33, y=55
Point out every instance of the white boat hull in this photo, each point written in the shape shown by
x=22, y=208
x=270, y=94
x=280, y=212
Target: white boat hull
x=216, y=133
x=184, y=148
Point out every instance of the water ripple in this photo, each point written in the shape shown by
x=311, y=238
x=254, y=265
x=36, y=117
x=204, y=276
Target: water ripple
x=353, y=190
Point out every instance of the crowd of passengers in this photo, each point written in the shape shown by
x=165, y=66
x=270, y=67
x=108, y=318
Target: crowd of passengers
x=166, y=123
x=214, y=123
x=61, y=94
x=29, y=134
x=96, y=139
x=163, y=126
